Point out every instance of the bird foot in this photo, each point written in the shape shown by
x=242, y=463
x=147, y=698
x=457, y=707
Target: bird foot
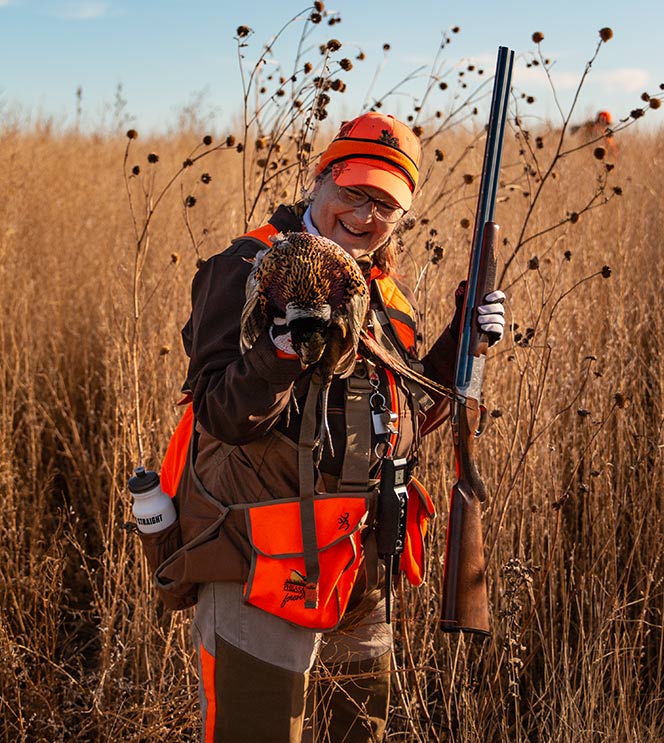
x=324, y=436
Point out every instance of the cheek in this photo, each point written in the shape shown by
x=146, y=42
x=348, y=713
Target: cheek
x=381, y=232
x=323, y=217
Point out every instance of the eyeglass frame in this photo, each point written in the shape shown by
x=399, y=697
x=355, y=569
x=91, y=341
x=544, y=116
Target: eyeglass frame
x=370, y=200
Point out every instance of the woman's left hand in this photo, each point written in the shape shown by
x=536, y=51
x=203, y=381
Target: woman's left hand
x=491, y=316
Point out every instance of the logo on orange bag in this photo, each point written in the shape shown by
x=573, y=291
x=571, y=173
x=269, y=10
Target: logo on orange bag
x=343, y=521
x=294, y=587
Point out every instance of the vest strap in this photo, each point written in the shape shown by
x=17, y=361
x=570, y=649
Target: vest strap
x=307, y=515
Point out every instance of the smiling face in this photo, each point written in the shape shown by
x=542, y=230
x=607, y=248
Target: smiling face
x=357, y=229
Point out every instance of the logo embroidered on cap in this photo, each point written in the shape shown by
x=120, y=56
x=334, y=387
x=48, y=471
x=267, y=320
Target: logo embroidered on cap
x=388, y=139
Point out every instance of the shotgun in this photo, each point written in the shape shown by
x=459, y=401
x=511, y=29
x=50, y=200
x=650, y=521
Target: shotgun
x=465, y=605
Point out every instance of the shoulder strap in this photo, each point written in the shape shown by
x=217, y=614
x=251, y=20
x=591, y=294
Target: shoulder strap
x=396, y=312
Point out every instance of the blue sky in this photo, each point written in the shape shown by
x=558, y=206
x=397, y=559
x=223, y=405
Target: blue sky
x=167, y=53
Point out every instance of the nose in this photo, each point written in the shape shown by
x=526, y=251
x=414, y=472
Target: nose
x=366, y=208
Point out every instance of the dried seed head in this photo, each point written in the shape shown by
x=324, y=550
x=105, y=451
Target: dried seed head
x=132, y=134
x=645, y=97
x=621, y=401
x=243, y=31
x=418, y=131
x=568, y=255
x=533, y=263
x=456, y=29
x=637, y=113
x=599, y=153
x=164, y=350
x=465, y=223
x=443, y=85
x=206, y=178
x=583, y=413
x=175, y=258
x=361, y=56
x=468, y=178
x=655, y=103
x=315, y=17
x=496, y=413
x=187, y=163
x=153, y=157
x=320, y=7
x=606, y=34
x=346, y=64
x=333, y=45
x=606, y=272
x=538, y=37
x=135, y=170
x=307, y=68
x=530, y=99
x=617, y=190
x=240, y=147
x=190, y=201
x=386, y=47
x=261, y=143
x=440, y=155
x=207, y=140
x=574, y=217
x=230, y=141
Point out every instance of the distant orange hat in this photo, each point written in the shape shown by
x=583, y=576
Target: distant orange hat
x=604, y=117
x=375, y=150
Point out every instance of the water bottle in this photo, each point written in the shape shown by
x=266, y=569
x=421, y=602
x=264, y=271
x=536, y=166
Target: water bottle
x=153, y=509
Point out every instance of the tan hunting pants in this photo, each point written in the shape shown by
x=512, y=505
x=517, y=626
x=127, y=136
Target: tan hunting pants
x=255, y=675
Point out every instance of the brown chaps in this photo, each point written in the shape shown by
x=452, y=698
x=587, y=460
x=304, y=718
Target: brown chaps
x=258, y=701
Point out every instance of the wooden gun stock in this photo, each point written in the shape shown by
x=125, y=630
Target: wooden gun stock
x=465, y=602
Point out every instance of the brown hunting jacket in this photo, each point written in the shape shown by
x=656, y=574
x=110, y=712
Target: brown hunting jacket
x=247, y=427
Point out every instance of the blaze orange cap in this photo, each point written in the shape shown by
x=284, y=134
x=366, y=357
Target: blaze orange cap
x=378, y=151
x=604, y=117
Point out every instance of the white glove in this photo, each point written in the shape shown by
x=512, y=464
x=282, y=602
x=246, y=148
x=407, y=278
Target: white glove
x=281, y=337
x=491, y=316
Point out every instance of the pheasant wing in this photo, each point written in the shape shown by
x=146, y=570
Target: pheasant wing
x=253, y=317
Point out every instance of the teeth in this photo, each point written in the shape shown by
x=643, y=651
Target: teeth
x=352, y=230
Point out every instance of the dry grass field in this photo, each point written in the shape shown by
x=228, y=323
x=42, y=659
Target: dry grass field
x=572, y=457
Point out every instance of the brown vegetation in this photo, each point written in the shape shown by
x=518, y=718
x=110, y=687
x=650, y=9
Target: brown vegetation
x=572, y=458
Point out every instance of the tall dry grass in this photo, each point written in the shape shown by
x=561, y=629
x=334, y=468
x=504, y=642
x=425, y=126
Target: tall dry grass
x=572, y=458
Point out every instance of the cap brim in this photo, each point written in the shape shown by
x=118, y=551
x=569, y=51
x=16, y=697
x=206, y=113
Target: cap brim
x=365, y=173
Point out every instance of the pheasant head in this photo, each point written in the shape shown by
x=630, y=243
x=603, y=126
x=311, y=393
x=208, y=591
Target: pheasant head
x=319, y=289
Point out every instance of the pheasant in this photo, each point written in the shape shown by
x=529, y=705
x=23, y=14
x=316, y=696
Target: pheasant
x=322, y=293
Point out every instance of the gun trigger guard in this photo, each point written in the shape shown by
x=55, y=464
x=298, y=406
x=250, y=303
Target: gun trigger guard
x=484, y=419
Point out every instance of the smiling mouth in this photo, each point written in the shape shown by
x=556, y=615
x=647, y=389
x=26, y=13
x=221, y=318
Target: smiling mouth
x=352, y=230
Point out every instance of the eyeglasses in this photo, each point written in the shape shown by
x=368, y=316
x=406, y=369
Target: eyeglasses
x=382, y=210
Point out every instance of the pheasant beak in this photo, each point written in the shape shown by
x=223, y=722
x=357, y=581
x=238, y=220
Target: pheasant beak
x=309, y=335
x=308, y=328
